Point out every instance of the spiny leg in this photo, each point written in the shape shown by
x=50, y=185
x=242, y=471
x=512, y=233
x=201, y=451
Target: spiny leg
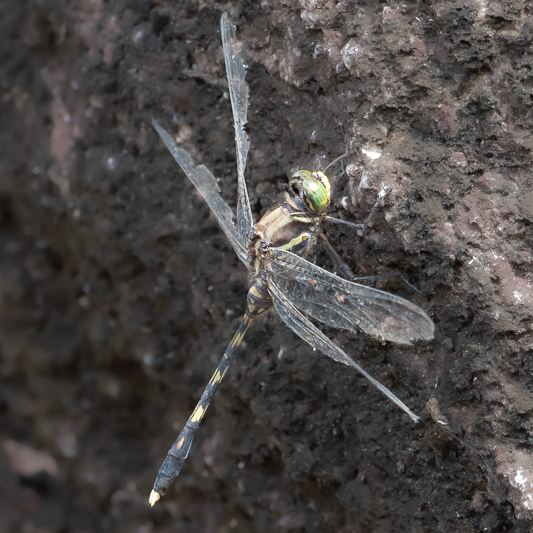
x=340, y=158
x=361, y=228
x=258, y=302
x=341, y=266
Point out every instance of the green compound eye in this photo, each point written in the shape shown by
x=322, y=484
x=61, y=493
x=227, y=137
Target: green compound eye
x=313, y=188
x=315, y=195
x=301, y=174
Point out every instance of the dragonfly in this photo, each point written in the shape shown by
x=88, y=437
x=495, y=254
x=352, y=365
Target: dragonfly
x=274, y=250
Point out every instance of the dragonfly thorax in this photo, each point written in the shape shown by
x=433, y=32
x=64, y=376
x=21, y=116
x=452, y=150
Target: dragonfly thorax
x=278, y=229
x=312, y=189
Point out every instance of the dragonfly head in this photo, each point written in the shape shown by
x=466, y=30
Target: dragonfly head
x=312, y=188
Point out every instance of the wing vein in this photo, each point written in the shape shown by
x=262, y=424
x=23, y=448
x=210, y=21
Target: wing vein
x=307, y=331
x=341, y=303
x=208, y=187
x=238, y=89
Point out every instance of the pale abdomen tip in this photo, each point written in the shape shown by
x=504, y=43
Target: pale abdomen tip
x=154, y=497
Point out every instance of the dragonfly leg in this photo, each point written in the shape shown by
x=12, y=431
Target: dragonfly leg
x=391, y=275
x=361, y=228
x=258, y=302
x=340, y=265
x=383, y=193
x=340, y=158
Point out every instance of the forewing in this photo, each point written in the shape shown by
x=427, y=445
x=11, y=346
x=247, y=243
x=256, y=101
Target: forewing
x=238, y=90
x=208, y=187
x=344, y=304
x=307, y=331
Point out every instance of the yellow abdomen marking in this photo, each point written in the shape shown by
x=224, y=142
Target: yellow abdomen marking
x=295, y=242
x=217, y=377
x=198, y=414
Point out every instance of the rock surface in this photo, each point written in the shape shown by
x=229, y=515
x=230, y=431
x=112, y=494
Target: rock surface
x=119, y=293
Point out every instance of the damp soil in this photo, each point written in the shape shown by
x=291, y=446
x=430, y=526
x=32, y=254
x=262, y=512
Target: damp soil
x=119, y=292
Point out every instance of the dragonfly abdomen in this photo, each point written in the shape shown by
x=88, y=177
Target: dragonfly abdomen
x=258, y=302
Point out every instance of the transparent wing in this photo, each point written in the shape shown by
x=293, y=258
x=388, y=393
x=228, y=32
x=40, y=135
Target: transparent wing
x=238, y=90
x=208, y=187
x=307, y=331
x=344, y=304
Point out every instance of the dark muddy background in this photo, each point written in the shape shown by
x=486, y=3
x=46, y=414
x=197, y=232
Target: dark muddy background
x=119, y=293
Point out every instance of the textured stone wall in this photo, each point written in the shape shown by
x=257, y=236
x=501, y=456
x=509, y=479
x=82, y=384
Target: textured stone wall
x=118, y=292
